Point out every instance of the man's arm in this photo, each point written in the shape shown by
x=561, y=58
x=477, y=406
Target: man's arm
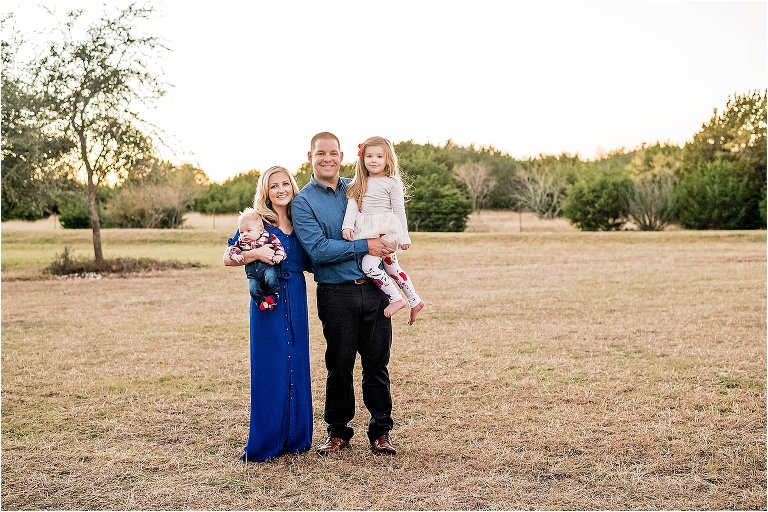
x=320, y=248
x=379, y=248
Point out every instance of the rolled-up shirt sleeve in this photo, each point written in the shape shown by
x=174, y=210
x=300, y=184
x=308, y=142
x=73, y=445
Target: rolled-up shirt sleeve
x=318, y=227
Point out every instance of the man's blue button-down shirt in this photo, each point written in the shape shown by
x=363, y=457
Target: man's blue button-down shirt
x=317, y=213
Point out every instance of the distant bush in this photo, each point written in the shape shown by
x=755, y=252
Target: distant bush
x=147, y=206
x=651, y=204
x=598, y=200
x=436, y=206
x=715, y=197
x=73, y=211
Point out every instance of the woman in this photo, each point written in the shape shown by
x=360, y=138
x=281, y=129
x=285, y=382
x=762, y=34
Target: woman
x=281, y=396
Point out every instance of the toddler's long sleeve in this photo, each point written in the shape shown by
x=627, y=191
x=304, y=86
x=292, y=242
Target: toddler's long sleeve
x=350, y=215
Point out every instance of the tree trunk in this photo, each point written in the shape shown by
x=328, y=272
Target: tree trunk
x=95, y=224
x=98, y=255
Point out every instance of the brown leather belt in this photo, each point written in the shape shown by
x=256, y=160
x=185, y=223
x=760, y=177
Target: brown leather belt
x=358, y=281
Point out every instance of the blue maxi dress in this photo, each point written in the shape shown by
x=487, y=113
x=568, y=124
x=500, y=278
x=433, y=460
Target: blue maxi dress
x=281, y=393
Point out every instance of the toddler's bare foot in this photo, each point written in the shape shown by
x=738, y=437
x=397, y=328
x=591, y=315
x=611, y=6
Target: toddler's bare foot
x=393, y=308
x=415, y=311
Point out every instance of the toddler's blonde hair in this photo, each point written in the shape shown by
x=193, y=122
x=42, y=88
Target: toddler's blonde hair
x=359, y=184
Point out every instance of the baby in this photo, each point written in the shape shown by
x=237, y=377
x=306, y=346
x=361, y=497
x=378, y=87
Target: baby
x=262, y=277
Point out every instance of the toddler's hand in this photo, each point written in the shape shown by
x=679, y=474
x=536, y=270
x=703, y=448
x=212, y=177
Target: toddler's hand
x=237, y=257
x=277, y=259
x=349, y=234
x=405, y=246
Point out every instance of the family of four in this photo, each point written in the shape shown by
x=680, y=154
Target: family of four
x=343, y=231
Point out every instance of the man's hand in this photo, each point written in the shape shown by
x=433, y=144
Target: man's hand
x=379, y=248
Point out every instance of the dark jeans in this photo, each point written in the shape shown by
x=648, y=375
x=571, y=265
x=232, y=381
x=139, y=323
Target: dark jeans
x=262, y=280
x=353, y=322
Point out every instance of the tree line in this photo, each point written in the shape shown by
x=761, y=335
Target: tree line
x=73, y=145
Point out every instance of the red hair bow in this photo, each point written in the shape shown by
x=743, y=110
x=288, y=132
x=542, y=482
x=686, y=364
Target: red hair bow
x=360, y=152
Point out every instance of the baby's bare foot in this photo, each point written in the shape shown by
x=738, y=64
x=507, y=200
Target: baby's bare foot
x=394, y=308
x=415, y=311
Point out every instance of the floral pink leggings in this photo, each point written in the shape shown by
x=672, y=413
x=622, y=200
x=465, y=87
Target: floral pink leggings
x=391, y=270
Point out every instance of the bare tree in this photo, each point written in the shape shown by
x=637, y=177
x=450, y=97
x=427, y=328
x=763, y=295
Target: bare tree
x=92, y=81
x=476, y=177
x=541, y=190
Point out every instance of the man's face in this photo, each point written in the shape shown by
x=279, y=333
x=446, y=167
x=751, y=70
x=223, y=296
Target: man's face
x=326, y=159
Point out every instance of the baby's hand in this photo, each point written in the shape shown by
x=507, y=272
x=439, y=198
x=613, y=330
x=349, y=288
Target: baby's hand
x=405, y=246
x=237, y=258
x=349, y=234
x=278, y=258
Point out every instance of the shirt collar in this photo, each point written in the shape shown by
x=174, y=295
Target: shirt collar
x=319, y=185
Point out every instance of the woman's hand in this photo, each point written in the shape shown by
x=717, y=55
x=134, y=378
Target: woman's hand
x=265, y=254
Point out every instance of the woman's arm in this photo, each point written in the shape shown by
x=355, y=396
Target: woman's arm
x=265, y=254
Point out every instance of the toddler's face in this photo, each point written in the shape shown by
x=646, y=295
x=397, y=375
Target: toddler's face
x=251, y=229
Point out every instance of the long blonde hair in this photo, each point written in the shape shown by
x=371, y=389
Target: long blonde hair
x=261, y=202
x=359, y=185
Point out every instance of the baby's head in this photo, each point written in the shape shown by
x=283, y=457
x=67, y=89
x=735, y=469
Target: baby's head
x=250, y=225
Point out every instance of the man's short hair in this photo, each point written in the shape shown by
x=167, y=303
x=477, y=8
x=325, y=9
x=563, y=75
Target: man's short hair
x=323, y=135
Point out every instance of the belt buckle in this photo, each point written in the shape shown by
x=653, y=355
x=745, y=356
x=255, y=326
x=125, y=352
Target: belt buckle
x=359, y=281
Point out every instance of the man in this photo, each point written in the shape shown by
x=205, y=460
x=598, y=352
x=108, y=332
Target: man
x=350, y=307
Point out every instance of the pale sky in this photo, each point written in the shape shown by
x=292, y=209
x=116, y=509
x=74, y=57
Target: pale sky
x=254, y=80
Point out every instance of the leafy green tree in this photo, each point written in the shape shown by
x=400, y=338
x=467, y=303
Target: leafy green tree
x=736, y=135
x=597, y=200
x=434, y=203
x=232, y=196
x=715, y=197
x=30, y=181
x=92, y=81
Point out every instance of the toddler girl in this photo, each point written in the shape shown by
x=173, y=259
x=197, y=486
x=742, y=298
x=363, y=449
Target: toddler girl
x=376, y=207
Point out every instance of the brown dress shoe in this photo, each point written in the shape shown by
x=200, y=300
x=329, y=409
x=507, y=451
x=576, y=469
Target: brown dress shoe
x=332, y=445
x=382, y=444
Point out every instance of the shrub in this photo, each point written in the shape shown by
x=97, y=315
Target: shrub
x=436, y=205
x=73, y=210
x=65, y=265
x=598, y=200
x=147, y=206
x=714, y=197
x=652, y=203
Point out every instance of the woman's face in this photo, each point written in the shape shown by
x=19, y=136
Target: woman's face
x=279, y=189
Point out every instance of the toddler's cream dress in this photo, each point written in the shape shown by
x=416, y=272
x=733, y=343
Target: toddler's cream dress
x=382, y=214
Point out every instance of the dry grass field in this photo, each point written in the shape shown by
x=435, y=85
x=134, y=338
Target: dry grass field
x=552, y=369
